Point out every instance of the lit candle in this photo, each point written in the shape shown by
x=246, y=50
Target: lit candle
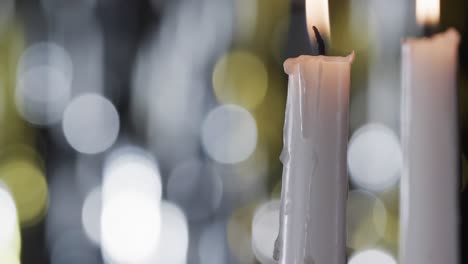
x=315, y=183
x=429, y=200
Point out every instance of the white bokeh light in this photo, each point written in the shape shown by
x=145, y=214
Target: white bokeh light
x=174, y=238
x=374, y=157
x=130, y=228
x=91, y=123
x=229, y=134
x=91, y=215
x=131, y=168
x=9, y=235
x=265, y=229
x=372, y=256
x=46, y=54
x=42, y=94
x=44, y=77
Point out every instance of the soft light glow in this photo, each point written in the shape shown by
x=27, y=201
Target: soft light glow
x=91, y=215
x=28, y=187
x=131, y=197
x=318, y=16
x=91, y=123
x=265, y=229
x=130, y=168
x=174, y=238
x=130, y=227
x=229, y=134
x=42, y=94
x=9, y=235
x=428, y=12
x=9, y=258
x=240, y=78
x=374, y=157
x=372, y=256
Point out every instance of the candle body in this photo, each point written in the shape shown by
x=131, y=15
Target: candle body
x=315, y=182
x=429, y=183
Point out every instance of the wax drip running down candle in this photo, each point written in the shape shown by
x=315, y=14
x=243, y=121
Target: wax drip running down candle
x=315, y=183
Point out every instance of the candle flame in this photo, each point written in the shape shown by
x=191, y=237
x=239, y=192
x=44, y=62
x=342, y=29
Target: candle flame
x=428, y=12
x=318, y=16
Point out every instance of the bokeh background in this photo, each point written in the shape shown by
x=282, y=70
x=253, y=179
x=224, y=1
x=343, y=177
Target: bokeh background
x=152, y=129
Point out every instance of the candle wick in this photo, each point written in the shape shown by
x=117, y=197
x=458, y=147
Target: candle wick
x=320, y=42
x=428, y=30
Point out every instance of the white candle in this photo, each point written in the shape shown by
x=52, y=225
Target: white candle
x=429, y=183
x=315, y=182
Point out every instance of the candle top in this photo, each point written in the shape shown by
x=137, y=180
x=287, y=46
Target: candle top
x=290, y=65
x=451, y=36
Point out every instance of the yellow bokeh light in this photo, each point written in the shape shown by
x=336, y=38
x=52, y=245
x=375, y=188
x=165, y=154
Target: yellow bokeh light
x=241, y=78
x=28, y=186
x=239, y=233
x=366, y=220
x=7, y=257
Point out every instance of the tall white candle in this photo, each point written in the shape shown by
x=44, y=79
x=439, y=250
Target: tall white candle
x=315, y=183
x=429, y=183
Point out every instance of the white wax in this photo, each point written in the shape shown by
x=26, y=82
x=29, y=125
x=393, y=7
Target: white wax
x=315, y=182
x=429, y=183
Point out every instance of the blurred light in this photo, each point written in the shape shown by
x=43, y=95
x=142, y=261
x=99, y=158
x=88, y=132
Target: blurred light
x=212, y=245
x=9, y=258
x=428, y=12
x=42, y=95
x=169, y=97
x=372, y=256
x=131, y=169
x=130, y=228
x=374, y=157
x=44, y=83
x=366, y=218
x=265, y=228
x=28, y=186
x=229, y=134
x=318, y=16
x=91, y=215
x=46, y=54
x=245, y=20
x=9, y=235
x=240, y=78
x=174, y=237
x=195, y=187
x=91, y=123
